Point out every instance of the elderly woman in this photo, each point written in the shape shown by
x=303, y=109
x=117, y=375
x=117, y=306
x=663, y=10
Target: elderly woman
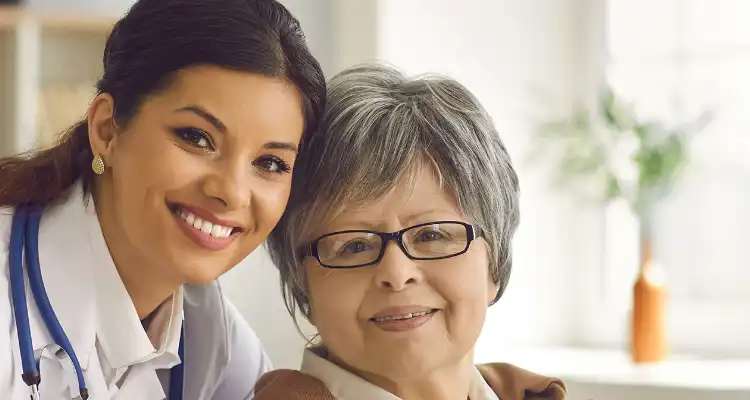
x=396, y=240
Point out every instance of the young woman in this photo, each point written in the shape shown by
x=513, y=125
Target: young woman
x=180, y=170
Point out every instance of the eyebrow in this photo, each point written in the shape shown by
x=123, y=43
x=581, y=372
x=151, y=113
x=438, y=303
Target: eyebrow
x=419, y=214
x=411, y=218
x=216, y=122
x=281, y=146
x=203, y=113
x=407, y=220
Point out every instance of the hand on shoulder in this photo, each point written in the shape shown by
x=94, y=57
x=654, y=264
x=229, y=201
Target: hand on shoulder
x=287, y=384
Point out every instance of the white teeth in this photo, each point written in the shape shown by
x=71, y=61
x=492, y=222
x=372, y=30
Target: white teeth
x=206, y=227
x=399, y=317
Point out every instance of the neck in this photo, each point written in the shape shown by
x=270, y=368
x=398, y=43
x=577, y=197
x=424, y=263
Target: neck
x=449, y=382
x=146, y=287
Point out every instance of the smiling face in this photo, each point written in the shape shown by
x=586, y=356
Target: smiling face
x=200, y=175
x=344, y=302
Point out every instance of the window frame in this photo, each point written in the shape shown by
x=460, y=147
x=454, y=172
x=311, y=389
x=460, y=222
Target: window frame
x=701, y=326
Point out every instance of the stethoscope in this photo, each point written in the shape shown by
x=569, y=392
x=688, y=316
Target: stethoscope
x=25, y=235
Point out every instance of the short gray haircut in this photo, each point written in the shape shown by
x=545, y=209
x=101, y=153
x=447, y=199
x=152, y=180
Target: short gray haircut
x=378, y=126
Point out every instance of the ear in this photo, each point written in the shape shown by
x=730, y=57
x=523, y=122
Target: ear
x=492, y=289
x=300, y=297
x=102, y=127
x=309, y=315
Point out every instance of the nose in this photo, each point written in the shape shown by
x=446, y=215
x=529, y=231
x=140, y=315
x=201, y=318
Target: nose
x=229, y=185
x=396, y=271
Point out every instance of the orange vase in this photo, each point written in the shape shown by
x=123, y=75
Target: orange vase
x=649, y=339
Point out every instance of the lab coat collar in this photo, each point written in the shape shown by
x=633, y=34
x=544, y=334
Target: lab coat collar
x=89, y=297
x=120, y=332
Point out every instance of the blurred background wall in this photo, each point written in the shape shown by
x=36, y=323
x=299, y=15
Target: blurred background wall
x=566, y=310
x=519, y=77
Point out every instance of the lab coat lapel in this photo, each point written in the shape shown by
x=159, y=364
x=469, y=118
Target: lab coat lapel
x=66, y=264
x=142, y=384
x=206, y=345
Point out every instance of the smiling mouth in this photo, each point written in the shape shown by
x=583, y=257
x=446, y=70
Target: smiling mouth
x=206, y=227
x=404, y=317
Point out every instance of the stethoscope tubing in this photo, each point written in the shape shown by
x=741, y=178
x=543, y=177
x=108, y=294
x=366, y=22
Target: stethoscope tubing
x=36, y=282
x=24, y=240
x=18, y=294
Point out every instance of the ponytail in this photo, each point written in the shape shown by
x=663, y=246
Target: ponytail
x=42, y=176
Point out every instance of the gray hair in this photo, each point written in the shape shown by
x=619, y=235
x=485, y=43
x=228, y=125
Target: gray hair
x=378, y=126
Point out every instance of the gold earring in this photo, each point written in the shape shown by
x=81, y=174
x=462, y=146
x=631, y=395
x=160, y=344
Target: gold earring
x=97, y=164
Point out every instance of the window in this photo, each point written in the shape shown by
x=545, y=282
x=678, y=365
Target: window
x=675, y=59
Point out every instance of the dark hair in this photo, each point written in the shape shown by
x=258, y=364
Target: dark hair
x=145, y=49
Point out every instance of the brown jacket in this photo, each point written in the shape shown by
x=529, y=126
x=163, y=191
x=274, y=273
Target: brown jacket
x=509, y=383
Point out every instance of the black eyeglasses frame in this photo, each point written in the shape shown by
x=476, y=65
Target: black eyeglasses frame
x=311, y=250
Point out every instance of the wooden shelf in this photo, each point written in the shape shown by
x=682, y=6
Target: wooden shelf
x=46, y=56
x=11, y=16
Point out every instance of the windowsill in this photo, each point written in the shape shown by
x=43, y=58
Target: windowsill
x=613, y=367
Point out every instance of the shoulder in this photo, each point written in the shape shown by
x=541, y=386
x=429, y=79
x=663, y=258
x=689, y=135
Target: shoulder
x=6, y=212
x=6, y=220
x=246, y=350
x=513, y=383
x=223, y=339
x=8, y=385
x=286, y=384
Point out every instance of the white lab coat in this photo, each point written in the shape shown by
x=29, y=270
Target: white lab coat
x=224, y=357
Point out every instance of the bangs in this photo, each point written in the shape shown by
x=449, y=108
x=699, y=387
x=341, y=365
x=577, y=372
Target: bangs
x=377, y=153
x=374, y=188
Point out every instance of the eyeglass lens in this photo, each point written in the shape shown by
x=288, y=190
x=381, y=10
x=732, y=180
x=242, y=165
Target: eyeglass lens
x=432, y=241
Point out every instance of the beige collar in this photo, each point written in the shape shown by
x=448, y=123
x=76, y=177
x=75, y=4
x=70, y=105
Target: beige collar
x=346, y=386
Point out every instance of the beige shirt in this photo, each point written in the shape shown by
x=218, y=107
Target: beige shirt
x=346, y=386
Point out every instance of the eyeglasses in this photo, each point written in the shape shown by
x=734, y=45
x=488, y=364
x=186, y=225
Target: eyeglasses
x=361, y=248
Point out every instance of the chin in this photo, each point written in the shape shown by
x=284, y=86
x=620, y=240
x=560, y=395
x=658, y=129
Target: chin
x=405, y=365
x=201, y=276
x=198, y=268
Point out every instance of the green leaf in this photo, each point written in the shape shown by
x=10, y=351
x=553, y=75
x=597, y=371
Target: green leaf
x=613, y=189
x=582, y=144
x=616, y=115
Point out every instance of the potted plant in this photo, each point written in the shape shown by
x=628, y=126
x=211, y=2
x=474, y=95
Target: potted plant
x=611, y=153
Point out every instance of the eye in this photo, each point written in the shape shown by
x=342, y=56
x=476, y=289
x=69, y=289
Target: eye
x=272, y=165
x=195, y=137
x=430, y=235
x=354, y=247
